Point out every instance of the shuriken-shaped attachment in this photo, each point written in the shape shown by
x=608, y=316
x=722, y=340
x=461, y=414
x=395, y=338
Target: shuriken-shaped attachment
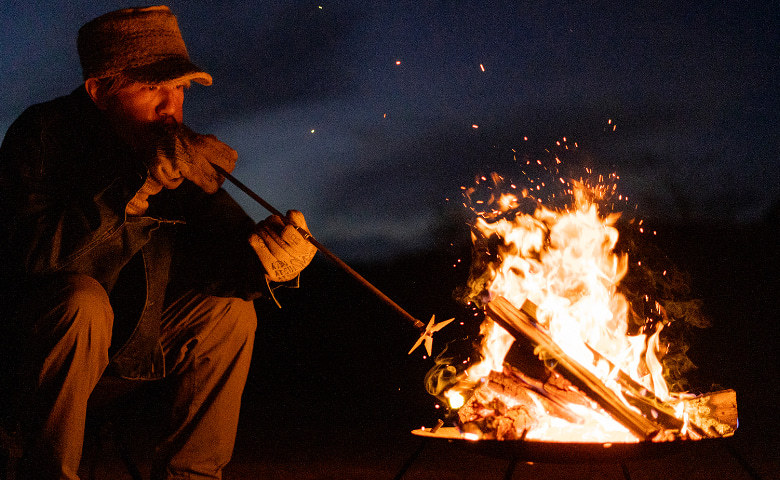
x=427, y=335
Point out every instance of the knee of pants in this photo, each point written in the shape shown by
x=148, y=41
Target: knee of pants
x=77, y=306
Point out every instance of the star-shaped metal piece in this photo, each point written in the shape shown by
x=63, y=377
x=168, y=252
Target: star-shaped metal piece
x=427, y=335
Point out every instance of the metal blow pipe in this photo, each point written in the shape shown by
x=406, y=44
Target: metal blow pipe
x=328, y=254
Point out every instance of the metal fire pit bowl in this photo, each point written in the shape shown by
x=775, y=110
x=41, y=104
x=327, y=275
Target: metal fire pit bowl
x=570, y=452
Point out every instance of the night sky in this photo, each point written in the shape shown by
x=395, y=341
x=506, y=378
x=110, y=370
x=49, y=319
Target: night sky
x=363, y=115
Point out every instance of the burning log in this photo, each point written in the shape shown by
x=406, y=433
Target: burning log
x=710, y=415
x=521, y=324
x=502, y=409
x=714, y=413
x=645, y=400
x=506, y=405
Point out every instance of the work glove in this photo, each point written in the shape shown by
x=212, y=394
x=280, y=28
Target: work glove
x=282, y=250
x=140, y=202
x=183, y=154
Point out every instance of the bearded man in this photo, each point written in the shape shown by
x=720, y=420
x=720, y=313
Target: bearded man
x=123, y=256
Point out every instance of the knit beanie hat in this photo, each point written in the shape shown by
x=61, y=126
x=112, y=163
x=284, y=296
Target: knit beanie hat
x=144, y=44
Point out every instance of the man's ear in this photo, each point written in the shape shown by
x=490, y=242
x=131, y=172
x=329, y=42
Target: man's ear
x=95, y=92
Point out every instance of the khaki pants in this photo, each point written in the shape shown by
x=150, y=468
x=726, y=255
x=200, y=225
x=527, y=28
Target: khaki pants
x=207, y=342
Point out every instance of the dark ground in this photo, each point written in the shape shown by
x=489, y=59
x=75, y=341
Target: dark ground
x=333, y=395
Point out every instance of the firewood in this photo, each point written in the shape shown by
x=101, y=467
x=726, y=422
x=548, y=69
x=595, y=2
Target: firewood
x=522, y=366
x=645, y=400
x=521, y=324
x=710, y=415
x=715, y=413
x=553, y=402
x=490, y=413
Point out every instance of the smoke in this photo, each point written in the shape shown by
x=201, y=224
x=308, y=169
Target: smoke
x=450, y=365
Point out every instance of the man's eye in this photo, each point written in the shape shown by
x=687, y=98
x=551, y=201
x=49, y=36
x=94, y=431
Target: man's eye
x=152, y=88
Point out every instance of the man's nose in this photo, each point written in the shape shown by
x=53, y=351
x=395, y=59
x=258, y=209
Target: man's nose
x=170, y=102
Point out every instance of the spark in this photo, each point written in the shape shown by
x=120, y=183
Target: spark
x=481, y=67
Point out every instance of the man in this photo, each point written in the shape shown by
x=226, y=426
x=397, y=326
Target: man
x=123, y=257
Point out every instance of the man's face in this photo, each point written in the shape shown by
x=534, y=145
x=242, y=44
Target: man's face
x=139, y=112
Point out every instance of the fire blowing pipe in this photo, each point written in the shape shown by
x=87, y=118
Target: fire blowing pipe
x=328, y=254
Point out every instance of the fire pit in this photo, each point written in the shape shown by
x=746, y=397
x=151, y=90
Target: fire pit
x=567, y=452
x=567, y=369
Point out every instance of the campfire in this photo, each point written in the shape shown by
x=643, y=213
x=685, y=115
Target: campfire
x=562, y=354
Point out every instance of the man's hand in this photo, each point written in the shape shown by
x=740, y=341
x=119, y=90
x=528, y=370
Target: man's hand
x=281, y=248
x=140, y=202
x=182, y=153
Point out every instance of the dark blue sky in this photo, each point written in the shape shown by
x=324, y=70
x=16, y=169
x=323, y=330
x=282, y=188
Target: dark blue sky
x=326, y=121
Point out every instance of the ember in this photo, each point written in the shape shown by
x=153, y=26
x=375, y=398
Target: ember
x=557, y=359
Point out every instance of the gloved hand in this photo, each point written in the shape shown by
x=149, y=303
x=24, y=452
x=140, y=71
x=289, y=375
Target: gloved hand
x=140, y=202
x=182, y=153
x=282, y=250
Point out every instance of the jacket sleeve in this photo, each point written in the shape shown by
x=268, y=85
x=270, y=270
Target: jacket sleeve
x=58, y=200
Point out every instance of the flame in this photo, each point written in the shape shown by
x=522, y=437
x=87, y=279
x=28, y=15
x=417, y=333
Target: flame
x=563, y=260
x=455, y=399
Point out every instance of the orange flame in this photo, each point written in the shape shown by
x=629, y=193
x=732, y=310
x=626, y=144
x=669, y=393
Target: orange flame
x=564, y=262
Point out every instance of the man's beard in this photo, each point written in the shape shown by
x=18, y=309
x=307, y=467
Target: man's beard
x=164, y=126
x=148, y=136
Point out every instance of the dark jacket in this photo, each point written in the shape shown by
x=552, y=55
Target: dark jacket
x=65, y=180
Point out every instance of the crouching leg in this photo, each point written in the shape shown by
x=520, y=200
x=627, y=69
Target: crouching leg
x=207, y=342
x=66, y=332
